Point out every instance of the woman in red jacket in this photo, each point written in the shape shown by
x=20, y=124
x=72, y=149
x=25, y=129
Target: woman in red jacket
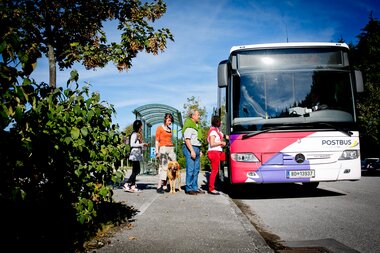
x=215, y=149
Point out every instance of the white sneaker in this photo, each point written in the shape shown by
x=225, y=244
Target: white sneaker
x=134, y=189
x=127, y=188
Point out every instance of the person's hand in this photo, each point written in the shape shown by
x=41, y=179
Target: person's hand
x=193, y=154
x=223, y=144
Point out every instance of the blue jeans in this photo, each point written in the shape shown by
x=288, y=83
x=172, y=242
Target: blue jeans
x=192, y=168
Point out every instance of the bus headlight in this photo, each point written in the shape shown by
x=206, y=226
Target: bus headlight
x=349, y=155
x=244, y=157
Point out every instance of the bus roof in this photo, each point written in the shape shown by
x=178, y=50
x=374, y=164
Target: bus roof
x=288, y=45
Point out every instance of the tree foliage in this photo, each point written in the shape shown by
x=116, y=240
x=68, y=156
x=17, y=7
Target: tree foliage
x=72, y=31
x=366, y=56
x=195, y=103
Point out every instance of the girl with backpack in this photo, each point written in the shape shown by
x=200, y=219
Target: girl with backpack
x=136, y=155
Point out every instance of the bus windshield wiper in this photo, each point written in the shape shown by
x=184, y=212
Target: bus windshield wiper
x=246, y=136
x=346, y=132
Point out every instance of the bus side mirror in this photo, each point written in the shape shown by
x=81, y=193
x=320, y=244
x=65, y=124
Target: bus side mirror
x=222, y=74
x=359, y=81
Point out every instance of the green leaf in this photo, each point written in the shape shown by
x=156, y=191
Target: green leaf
x=68, y=140
x=3, y=46
x=18, y=113
x=90, y=114
x=26, y=81
x=74, y=76
x=103, y=192
x=77, y=110
x=78, y=172
x=81, y=218
x=75, y=133
x=90, y=205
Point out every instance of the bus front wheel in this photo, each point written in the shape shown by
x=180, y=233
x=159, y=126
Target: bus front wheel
x=309, y=186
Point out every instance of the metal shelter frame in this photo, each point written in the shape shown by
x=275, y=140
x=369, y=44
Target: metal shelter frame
x=152, y=114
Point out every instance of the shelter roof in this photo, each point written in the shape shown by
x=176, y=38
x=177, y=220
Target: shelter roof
x=154, y=114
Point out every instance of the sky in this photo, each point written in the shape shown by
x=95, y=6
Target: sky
x=204, y=32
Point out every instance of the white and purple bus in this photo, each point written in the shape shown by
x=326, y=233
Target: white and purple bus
x=289, y=109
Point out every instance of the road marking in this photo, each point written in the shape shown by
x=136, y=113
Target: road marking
x=145, y=206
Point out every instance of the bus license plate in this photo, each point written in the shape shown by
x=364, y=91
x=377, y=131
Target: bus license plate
x=301, y=173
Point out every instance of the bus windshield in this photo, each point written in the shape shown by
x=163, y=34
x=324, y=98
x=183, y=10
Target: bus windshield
x=278, y=97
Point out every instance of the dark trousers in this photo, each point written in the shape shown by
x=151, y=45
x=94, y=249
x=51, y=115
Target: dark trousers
x=135, y=172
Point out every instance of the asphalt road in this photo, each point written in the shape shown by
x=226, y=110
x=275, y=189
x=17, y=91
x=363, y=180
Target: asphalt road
x=338, y=216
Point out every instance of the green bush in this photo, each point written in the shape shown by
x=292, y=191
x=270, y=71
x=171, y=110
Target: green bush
x=58, y=155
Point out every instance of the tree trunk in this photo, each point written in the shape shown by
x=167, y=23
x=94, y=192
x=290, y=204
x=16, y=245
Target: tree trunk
x=52, y=67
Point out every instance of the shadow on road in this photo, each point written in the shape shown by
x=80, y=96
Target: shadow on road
x=277, y=191
x=371, y=173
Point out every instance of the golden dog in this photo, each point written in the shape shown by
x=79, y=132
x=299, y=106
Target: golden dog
x=174, y=174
